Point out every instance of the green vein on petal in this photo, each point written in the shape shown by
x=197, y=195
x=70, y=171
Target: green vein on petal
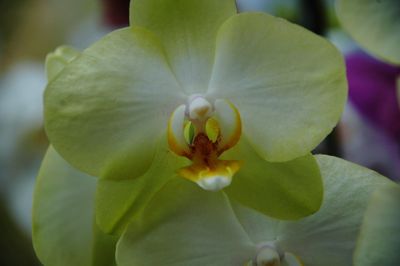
x=185, y=226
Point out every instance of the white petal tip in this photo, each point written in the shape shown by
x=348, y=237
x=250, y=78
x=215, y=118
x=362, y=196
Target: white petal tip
x=214, y=183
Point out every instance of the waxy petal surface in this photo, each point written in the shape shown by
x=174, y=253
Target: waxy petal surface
x=64, y=231
x=187, y=29
x=327, y=237
x=106, y=110
x=288, y=84
x=185, y=225
x=120, y=201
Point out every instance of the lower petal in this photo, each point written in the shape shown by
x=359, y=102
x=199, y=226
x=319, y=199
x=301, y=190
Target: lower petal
x=185, y=225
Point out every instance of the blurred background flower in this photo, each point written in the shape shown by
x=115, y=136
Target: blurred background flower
x=372, y=94
x=368, y=133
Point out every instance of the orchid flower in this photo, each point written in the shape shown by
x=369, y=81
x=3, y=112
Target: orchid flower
x=228, y=101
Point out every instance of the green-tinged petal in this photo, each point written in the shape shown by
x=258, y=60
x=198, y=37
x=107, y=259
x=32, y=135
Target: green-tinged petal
x=379, y=240
x=57, y=60
x=288, y=84
x=105, y=111
x=289, y=190
x=186, y=226
x=327, y=237
x=103, y=253
x=330, y=234
x=187, y=29
x=260, y=228
x=120, y=201
x=375, y=25
x=63, y=217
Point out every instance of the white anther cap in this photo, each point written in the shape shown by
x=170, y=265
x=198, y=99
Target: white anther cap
x=268, y=257
x=199, y=108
